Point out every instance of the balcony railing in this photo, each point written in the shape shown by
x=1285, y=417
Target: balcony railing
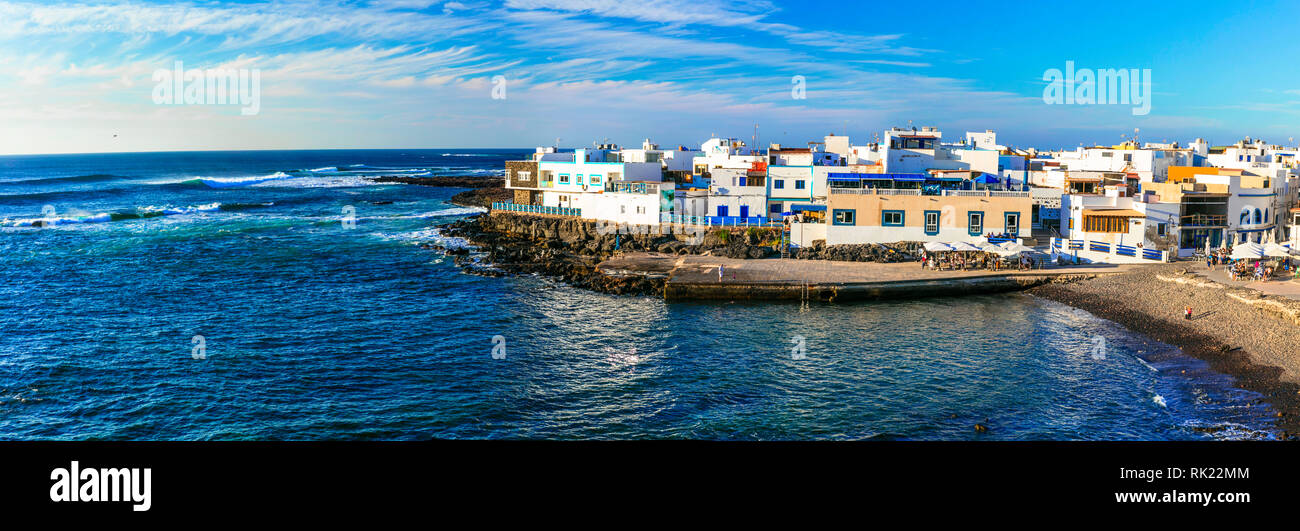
x=719, y=221
x=1204, y=220
x=537, y=209
x=985, y=193
x=877, y=191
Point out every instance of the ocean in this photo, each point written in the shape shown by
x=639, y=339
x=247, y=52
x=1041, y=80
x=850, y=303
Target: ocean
x=284, y=295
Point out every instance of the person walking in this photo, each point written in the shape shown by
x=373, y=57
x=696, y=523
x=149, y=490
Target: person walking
x=719, y=272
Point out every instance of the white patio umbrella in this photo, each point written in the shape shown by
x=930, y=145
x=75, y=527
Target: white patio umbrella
x=937, y=247
x=964, y=247
x=1017, y=247
x=1276, y=251
x=1247, y=251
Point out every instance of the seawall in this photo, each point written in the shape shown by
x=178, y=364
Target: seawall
x=859, y=291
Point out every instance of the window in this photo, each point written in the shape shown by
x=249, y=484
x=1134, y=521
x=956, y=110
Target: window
x=523, y=176
x=1259, y=217
x=1128, y=157
x=932, y=222
x=622, y=209
x=775, y=208
x=564, y=178
x=1111, y=224
x=1012, y=226
x=778, y=184
x=640, y=210
x=595, y=179
x=1162, y=229
x=577, y=179
x=614, y=176
x=891, y=218
x=975, y=223
x=722, y=211
x=845, y=216
x=798, y=184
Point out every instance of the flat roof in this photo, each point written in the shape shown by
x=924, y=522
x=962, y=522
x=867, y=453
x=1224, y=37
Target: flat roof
x=1113, y=212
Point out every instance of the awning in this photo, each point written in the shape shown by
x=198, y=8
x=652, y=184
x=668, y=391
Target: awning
x=1083, y=179
x=807, y=208
x=1113, y=212
x=987, y=179
x=910, y=177
x=850, y=177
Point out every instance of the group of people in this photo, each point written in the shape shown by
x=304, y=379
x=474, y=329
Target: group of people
x=1243, y=270
x=1256, y=270
x=960, y=261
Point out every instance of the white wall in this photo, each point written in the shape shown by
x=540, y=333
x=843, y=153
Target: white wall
x=636, y=209
x=804, y=234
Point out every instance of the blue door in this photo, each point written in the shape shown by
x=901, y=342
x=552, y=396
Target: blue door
x=744, y=211
x=722, y=211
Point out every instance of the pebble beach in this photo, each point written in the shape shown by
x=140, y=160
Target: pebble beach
x=1258, y=347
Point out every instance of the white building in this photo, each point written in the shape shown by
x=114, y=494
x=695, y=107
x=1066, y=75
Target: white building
x=632, y=202
x=1148, y=163
x=738, y=193
x=572, y=179
x=918, y=151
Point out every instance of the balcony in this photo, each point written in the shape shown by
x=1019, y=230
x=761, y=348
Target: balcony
x=985, y=193
x=537, y=209
x=876, y=191
x=1204, y=220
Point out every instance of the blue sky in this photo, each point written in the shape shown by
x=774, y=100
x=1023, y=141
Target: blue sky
x=415, y=73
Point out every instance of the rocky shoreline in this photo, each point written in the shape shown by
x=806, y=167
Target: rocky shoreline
x=483, y=191
x=1256, y=347
x=570, y=248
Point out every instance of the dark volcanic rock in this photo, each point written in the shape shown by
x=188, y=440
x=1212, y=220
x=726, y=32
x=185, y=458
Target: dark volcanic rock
x=482, y=197
x=483, y=191
x=450, y=181
x=865, y=252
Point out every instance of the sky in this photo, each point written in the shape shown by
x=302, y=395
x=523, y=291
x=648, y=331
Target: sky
x=80, y=77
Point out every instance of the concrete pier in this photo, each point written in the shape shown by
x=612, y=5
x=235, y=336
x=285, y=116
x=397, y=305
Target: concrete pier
x=696, y=277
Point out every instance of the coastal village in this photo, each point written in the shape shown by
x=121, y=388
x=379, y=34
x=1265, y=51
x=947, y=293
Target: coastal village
x=1129, y=203
x=1191, y=245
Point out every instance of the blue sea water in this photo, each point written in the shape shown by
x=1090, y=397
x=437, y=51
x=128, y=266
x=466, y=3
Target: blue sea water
x=314, y=330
